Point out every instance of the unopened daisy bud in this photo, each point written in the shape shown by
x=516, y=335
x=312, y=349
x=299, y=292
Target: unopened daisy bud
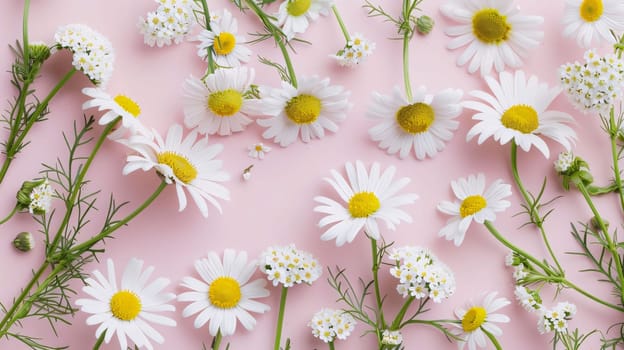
x=35, y=196
x=424, y=24
x=39, y=52
x=24, y=241
x=595, y=225
x=389, y=337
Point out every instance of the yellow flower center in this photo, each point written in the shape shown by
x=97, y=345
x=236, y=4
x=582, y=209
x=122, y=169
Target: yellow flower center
x=303, y=109
x=128, y=105
x=225, y=103
x=184, y=170
x=125, y=305
x=520, y=117
x=224, y=292
x=591, y=10
x=363, y=204
x=224, y=43
x=415, y=118
x=489, y=26
x=298, y=7
x=471, y=205
x=258, y=148
x=473, y=319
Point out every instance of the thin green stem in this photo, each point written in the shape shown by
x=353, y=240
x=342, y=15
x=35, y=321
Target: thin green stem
x=406, y=75
x=535, y=218
x=209, y=55
x=343, y=27
x=613, y=134
x=280, y=319
x=375, y=269
x=611, y=245
x=25, y=42
x=8, y=217
x=569, y=284
x=399, y=317
x=84, y=246
x=331, y=345
x=492, y=339
x=9, y=318
x=99, y=341
x=216, y=342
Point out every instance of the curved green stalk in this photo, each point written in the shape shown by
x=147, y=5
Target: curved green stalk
x=99, y=342
x=613, y=134
x=211, y=63
x=216, y=342
x=492, y=339
x=280, y=319
x=8, y=217
x=399, y=317
x=378, y=298
x=331, y=345
x=406, y=75
x=343, y=27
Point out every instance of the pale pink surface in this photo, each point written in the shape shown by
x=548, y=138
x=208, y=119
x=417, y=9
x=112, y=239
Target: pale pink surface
x=275, y=206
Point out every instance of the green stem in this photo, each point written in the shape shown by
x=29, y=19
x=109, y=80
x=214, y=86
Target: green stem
x=14, y=141
x=25, y=43
x=343, y=27
x=9, y=318
x=216, y=342
x=99, y=342
x=492, y=339
x=399, y=317
x=9, y=216
x=280, y=319
x=569, y=284
x=611, y=245
x=209, y=55
x=613, y=134
x=375, y=269
x=331, y=345
x=84, y=246
x=406, y=75
x=535, y=218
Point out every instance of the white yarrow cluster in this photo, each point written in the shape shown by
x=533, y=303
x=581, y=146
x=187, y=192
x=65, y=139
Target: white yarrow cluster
x=355, y=51
x=92, y=52
x=593, y=86
x=389, y=337
x=329, y=324
x=556, y=319
x=289, y=266
x=421, y=274
x=529, y=299
x=170, y=23
x=564, y=161
x=41, y=198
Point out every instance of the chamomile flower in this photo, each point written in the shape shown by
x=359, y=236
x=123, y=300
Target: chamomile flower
x=556, y=319
x=287, y=265
x=495, y=32
x=92, y=52
x=306, y=111
x=294, y=16
x=225, y=295
x=217, y=104
x=118, y=106
x=41, y=198
x=368, y=197
x=229, y=48
x=188, y=163
x=423, y=124
x=474, y=203
x=258, y=150
x=479, y=318
x=127, y=309
x=517, y=110
x=355, y=51
x=591, y=21
x=329, y=325
x=169, y=24
x=528, y=298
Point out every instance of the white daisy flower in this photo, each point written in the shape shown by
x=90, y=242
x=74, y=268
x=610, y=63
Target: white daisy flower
x=591, y=21
x=218, y=104
x=424, y=124
x=229, y=48
x=258, y=150
x=475, y=204
x=478, y=319
x=185, y=162
x=118, y=106
x=127, y=309
x=517, y=110
x=367, y=197
x=306, y=110
x=496, y=33
x=93, y=53
x=294, y=16
x=224, y=295
x=329, y=325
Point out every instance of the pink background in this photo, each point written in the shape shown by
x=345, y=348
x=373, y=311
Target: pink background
x=275, y=207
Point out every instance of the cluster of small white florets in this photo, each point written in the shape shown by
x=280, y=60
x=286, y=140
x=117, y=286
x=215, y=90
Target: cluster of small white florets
x=556, y=319
x=355, y=51
x=564, y=161
x=289, y=266
x=421, y=274
x=92, y=52
x=330, y=324
x=170, y=23
x=41, y=198
x=595, y=84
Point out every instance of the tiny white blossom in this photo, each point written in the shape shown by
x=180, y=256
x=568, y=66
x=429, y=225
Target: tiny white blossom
x=41, y=198
x=330, y=324
x=289, y=266
x=556, y=319
x=389, y=337
x=564, y=161
x=258, y=150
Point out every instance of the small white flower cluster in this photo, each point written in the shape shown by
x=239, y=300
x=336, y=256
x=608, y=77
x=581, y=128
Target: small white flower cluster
x=529, y=299
x=289, y=266
x=92, y=52
x=329, y=324
x=421, y=274
x=170, y=23
x=595, y=84
x=389, y=337
x=41, y=198
x=355, y=51
x=520, y=271
x=556, y=319
x=564, y=161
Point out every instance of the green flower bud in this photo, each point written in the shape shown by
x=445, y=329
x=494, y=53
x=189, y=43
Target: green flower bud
x=593, y=223
x=424, y=24
x=24, y=241
x=23, y=195
x=39, y=52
